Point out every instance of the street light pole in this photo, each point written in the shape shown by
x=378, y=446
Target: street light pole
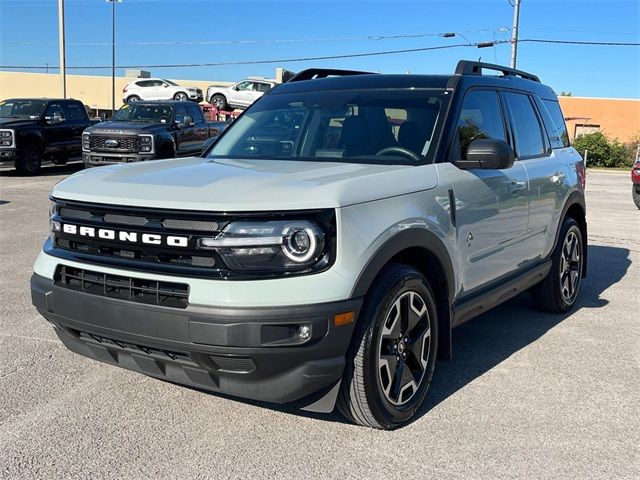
x=514, y=32
x=61, y=44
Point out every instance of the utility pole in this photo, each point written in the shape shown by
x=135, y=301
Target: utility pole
x=113, y=55
x=514, y=32
x=61, y=43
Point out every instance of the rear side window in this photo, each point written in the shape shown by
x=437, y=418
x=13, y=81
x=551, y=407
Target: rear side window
x=195, y=113
x=75, y=111
x=144, y=83
x=526, y=127
x=480, y=118
x=557, y=129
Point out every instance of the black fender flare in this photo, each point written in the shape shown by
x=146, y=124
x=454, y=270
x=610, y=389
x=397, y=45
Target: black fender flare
x=28, y=134
x=575, y=198
x=409, y=238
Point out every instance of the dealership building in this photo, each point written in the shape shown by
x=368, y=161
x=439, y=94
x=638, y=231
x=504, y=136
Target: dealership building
x=617, y=118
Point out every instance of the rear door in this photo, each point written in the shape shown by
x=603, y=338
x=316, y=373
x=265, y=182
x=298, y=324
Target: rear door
x=200, y=128
x=78, y=120
x=546, y=155
x=492, y=206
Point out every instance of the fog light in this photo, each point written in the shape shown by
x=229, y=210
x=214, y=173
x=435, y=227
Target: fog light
x=304, y=332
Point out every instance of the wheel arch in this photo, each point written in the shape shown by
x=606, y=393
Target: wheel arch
x=165, y=144
x=29, y=136
x=424, y=251
x=575, y=207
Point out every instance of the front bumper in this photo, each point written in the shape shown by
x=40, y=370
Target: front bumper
x=195, y=96
x=244, y=352
x=95, y=159
x=8, y=155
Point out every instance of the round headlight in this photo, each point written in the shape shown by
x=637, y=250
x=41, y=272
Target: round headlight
x=299, y=244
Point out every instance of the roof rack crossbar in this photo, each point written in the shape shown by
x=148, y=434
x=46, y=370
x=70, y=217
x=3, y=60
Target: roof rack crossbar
x=468, y=67
x=313, y=73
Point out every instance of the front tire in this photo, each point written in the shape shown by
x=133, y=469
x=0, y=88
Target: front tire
x=393, y=353
x=559, y=291
x=30, y=160
x=181, y=97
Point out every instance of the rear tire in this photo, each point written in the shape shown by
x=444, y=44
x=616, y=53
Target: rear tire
x=133, y=99
x=636, y=195
x=30, y=160
x=393, y=352
x=559, y=291
x=220, y=102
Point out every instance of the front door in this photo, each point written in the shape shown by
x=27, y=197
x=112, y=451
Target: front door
x=57, y=134
x=492, y=206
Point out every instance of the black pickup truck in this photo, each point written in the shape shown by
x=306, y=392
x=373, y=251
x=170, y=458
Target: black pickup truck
x=37, y=129
x=146, y=131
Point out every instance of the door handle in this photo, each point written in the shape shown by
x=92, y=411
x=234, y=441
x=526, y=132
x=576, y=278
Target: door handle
x=515, y=187
x=557, y=177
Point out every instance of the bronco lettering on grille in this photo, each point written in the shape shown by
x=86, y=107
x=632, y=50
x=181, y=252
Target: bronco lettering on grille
x=126, y=236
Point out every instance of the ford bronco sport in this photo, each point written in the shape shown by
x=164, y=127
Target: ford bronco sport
x=328, y=244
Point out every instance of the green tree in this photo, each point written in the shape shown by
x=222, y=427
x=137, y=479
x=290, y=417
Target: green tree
x=604, y=152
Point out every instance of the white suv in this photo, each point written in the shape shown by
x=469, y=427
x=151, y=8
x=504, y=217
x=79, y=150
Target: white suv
x=159, y=89
x=241, y=95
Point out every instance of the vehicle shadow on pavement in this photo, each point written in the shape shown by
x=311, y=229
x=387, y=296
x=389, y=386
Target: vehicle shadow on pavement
x=48, y=170
x=486, y=341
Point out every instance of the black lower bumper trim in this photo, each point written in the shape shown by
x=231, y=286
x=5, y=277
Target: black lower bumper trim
x=250, y=352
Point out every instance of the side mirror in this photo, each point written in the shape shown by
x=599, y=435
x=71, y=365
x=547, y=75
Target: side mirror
x=236, y=88
x=57, y=118
x=187, y=122
x=165, y=85
x=488, y=154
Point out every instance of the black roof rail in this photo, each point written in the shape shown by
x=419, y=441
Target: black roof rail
x=469, y=67
x=313, y=73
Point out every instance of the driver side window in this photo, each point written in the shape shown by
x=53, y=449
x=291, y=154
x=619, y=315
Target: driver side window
x=54, y=109
x=245, y=86
x=480, y=118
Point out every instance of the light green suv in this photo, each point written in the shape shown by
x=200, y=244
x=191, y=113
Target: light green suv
x=324, y=249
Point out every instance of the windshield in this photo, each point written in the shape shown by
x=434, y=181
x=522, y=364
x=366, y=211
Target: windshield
x=374, y=126
x=144, y=113
x=170, y=82
x=31, y=109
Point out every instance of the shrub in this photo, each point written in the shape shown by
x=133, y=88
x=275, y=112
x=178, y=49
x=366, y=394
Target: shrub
x=604, y=152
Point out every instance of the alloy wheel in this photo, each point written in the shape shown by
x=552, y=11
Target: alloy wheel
x=403, y=348
x=570, y=266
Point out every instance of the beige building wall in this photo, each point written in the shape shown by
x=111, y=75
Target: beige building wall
x=616, y=118
x=94, y=91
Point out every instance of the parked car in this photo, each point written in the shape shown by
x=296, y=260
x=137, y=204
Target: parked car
x=159, y=89
x=240, y=95
x=328, y=244
x=635, y=179
x=146, y=131
x=36, y=129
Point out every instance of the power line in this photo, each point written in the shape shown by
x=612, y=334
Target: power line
x=252, y=42
x=336, y=57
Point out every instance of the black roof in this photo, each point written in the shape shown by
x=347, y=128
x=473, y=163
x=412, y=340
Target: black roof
x=467, y=74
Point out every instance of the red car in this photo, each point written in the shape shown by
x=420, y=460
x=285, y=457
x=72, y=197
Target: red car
x=635, y=178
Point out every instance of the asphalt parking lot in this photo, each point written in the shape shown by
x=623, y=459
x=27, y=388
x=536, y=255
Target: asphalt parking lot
x=527, y=395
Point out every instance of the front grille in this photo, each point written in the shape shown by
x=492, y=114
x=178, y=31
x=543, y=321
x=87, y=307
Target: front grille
x=98, y=143
x=152, y=292
x=126, y=227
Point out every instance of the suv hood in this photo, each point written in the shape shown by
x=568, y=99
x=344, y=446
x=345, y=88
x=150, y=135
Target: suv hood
x=242, y=185
x=123, y=128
